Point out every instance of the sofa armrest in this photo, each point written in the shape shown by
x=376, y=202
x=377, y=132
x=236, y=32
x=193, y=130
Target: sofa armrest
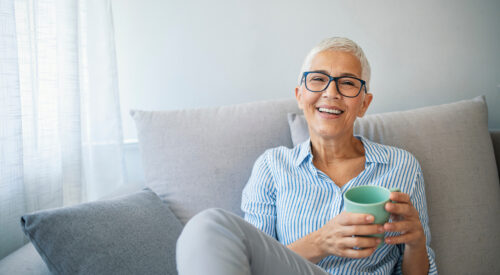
x=25, y=260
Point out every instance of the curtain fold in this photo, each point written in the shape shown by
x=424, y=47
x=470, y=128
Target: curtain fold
x=60, y=133
x=11, y=144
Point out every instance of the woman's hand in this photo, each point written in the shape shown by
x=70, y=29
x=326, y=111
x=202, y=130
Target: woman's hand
x=344, y=232
x=405, y=220
x=337, y=237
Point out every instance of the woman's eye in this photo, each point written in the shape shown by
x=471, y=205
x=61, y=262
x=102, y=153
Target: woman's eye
x=346, y=82
x=319, y=79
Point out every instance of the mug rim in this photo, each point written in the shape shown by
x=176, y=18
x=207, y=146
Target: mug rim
x=367, y=204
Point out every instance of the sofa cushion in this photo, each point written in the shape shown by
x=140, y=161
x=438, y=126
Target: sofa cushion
x=202, y=158
x=132, y=234
x=454, y=148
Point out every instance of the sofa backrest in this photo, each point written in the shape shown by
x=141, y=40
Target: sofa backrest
x=197, y=159
x=202, y=158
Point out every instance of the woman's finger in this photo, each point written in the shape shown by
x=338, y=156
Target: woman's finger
x=357, y=253
x=346, y=218
x=400, y=197
x=401, y=226
x=368, y=229
x=361, y=242
x=402, y=209
x=404, y=238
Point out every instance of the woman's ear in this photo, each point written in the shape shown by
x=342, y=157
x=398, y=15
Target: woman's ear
x=298, y=96
x=368, y=97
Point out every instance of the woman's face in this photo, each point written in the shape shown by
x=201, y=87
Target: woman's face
x=321, y=123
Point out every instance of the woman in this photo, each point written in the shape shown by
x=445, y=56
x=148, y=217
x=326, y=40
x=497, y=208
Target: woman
x=293, y=200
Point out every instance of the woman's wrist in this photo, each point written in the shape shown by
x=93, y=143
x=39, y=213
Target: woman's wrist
x=415, y=259
x=420, y=248
x=309, y=247
x=418, y=245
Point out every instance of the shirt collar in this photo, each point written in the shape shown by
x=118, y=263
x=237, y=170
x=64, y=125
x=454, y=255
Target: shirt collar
x=304, y=151
x=374, y=152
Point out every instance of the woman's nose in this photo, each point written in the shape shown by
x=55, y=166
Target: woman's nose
x=331, y=91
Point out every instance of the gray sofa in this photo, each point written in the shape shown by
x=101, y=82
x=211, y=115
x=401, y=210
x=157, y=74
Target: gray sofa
x=196, y=159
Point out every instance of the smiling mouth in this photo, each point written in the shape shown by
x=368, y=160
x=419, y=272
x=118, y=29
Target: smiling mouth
x=330, y=111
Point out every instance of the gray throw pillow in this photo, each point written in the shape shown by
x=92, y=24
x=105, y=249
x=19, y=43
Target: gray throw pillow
x=132, y=234
x=454, y=148
x=202, y=158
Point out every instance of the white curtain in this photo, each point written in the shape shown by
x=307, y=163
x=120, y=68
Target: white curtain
x=60, y=125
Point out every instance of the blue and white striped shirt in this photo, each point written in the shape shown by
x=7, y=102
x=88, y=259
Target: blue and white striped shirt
x=288, y=198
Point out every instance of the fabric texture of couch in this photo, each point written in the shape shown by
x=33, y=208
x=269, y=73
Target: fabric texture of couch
x=201, y=158
x=130, y=234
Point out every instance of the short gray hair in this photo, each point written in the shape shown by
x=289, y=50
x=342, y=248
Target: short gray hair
x=341, y=44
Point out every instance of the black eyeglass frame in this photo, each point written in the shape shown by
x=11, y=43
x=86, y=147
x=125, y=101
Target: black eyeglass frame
x=332, y=78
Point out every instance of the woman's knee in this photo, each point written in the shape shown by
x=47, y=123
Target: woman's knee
x=204, y=230
x=208, y=218
x=205, y=223
x=211, y=238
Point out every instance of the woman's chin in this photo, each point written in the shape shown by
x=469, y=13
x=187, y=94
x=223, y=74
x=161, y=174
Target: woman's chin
x=329, y=134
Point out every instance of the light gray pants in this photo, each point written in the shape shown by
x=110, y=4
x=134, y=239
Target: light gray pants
x=217, y=242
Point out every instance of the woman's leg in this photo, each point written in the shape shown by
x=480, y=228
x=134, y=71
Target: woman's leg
x=220, y=243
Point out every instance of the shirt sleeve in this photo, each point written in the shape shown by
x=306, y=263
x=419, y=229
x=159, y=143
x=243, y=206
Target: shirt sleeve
x=259, y=197
x=419, y=201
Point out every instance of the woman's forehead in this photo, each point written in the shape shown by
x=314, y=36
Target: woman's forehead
x=336, y=62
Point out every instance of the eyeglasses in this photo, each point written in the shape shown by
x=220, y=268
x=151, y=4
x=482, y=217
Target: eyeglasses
x=347, y=86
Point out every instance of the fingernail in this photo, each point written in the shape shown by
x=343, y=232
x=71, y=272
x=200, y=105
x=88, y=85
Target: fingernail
x=380, y=229
x=369, y=218
x=378, y=241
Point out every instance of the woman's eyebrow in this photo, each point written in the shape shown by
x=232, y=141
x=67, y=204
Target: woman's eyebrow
x=349, y=74
x=328, y=73
x=321, y=71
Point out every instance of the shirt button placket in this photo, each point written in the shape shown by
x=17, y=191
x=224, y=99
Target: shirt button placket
x=336, y=203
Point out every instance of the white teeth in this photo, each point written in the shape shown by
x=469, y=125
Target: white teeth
x=331, y=111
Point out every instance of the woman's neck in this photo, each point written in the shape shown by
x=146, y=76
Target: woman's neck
x=329, y=151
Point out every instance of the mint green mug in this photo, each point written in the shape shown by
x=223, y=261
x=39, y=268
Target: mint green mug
x=369, y=199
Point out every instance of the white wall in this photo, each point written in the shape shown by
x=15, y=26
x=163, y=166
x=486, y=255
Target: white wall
x=184, y=54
